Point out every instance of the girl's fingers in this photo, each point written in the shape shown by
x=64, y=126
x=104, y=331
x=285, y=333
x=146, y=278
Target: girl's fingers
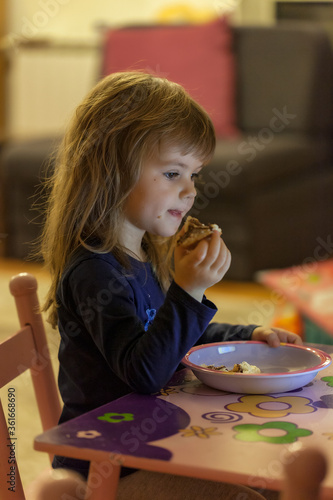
x=211, y=254
x=198, y=254
x=226, y=263
x=221, y=257
x=214, y=246
x=273, y=336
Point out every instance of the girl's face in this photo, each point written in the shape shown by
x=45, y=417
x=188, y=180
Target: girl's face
x=163, y=195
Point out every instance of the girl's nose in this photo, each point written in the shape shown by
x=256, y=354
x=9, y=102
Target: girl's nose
x=189, y=190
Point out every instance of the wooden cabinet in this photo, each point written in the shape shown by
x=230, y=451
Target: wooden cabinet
x=2, y=71
x=2, y=117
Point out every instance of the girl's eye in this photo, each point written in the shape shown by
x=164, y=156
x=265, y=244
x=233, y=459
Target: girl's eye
x=171, y=175
x=197, y=178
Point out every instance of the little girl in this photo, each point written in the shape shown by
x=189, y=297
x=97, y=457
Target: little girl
x=128, y=302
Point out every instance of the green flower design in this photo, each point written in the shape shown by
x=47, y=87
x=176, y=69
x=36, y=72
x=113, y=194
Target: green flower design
x=251, y=432
x=329, y=381
x=115, y=418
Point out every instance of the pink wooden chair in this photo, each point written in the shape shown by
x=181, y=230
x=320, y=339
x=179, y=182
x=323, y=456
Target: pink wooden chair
x=58, y=484
x=304, y=475
x=25, y=349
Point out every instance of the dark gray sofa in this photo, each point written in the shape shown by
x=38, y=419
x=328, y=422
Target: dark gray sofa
x=271, y=188
x=24, y=164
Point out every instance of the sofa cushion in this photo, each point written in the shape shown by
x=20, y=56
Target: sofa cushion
x=288, y=66
x=249, y=163
x=199, y=57
x=24, y=164
x=23, y=161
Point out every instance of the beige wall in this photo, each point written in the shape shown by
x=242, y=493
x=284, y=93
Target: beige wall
x=45, y=85
x=74, y=18
x=78, y=19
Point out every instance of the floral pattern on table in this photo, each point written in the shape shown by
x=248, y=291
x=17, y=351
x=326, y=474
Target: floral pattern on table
x=329, y=434
x=115, y=418
x=166, y=391
x=326, y=401
x=88, y=434
x=200, y=432
x=265, y=432
x=200, y=389
x=272, y=406
x=328, y=380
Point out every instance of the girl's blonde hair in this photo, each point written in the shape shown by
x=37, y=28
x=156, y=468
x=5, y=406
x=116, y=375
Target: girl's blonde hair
x=116, y=128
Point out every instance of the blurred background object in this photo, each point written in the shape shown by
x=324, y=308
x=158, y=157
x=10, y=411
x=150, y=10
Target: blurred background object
x=50, y=55
x=278, y=199
x=312, y=12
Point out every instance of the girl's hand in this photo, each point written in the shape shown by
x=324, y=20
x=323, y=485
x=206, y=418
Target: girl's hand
x=273, y=336
x=203, y=266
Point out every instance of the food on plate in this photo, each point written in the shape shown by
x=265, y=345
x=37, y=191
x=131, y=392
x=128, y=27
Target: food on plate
x=195, y=231
x=242, y=367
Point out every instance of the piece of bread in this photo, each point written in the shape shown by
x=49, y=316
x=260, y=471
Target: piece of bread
x=195, y=231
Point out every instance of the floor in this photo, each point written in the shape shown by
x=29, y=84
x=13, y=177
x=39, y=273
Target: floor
x=236, y=302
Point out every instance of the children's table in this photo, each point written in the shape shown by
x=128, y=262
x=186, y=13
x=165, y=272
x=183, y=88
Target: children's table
x=193, y=430
x=309, y=287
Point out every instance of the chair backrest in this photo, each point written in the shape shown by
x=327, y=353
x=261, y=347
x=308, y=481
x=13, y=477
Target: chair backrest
x=26, y=349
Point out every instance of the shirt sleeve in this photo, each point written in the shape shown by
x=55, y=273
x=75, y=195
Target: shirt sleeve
x=222, y=332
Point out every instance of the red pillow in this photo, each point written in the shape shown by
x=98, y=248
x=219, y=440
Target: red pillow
x=199, y=57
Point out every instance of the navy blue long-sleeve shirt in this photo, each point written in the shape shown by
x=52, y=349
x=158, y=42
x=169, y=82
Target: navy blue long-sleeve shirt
x=120, y=333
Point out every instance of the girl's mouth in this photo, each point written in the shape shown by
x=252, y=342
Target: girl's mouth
x=176, y=213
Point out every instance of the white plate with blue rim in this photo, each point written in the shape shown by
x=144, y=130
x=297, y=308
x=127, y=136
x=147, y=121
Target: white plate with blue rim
x=282, y=369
